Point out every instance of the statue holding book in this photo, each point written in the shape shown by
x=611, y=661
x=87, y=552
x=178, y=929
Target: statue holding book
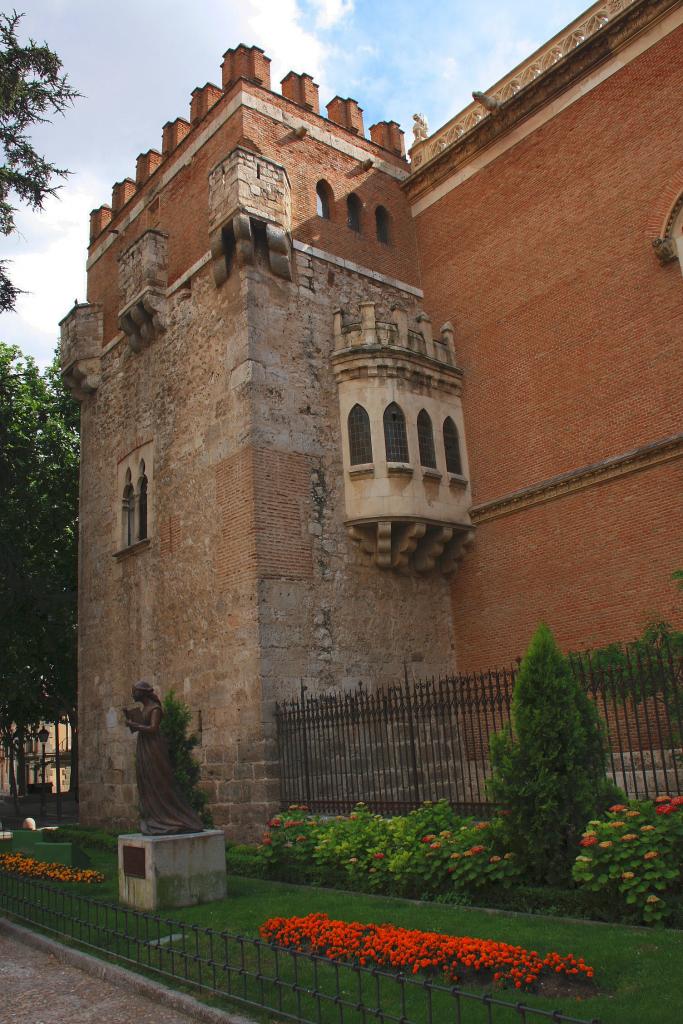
x=163, y=808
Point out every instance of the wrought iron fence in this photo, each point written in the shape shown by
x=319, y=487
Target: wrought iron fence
x=293, y=985
x=429, y=740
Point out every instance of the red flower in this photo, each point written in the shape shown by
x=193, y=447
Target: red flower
x=378, y=856
x=589, y=841
x=403, y=949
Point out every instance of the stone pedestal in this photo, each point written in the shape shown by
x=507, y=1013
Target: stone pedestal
x=171, y=871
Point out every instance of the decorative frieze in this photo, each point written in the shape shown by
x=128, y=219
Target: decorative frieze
x=81, y=333
x=578, y=479
x=542, y=61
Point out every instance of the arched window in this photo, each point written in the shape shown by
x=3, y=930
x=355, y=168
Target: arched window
x=142, y=502
x=451, y=445
x=360, y=439
x=128, y=511
x=353, y=208
x=425, y=438
x=382, y=224
x=395, y=437
x=323, y=194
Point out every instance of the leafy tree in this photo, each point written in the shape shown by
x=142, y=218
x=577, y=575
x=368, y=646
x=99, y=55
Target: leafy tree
x=32, y=87
x=548, y=769
x=39, y=454
x=181, y=743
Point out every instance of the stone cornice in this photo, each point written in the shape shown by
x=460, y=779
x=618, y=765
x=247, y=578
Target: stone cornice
x=588, y=42
x=388, y=362
x=579, y=479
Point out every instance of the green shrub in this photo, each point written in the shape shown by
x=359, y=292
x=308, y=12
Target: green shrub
x=631, y=860
x=84, y=837
x=398, y=856
x=174, y=726
x=548, y=768
x=247, y=861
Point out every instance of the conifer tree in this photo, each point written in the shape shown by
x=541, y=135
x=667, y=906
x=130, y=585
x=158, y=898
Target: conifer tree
x=181, y=743
x=548, y=768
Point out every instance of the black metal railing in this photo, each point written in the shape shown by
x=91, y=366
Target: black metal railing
x=294, y=985
x=395, y=747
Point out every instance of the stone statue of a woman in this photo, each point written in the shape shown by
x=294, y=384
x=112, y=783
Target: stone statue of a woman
x=163, y=809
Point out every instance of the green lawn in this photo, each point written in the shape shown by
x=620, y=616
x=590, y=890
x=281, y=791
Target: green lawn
x=638, y=970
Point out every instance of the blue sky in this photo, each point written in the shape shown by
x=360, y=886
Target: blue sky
x=136, y=64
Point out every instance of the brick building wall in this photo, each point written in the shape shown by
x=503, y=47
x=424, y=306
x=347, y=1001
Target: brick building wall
x=568, y=329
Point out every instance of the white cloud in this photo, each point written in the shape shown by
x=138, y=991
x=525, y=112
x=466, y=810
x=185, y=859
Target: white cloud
x=47, y=257
x=278, y=28
x=330, y=12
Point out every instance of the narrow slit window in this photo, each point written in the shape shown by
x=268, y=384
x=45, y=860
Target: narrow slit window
x=360, y=438
x=128, y=512
x=382, y=225
x=395, y=436
x=451, y=443
x=323, y=194
x=425, y=438
x=142, y=503
x=353, y=207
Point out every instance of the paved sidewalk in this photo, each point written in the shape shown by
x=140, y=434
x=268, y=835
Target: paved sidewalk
x=37, y=988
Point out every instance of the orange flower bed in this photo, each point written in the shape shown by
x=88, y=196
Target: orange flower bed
x=457, y=958
x=20, y=864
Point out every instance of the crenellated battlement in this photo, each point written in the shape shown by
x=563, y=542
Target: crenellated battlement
x=370, y=333
x=248, y=64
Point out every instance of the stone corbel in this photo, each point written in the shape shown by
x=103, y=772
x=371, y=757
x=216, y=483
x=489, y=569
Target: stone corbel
x=665, y=250
x=144, y=319
x=431, y=548
x=279, y=251
x=416, y=547
x=455, y=551
x=406, y=542
x=244, y=238
x=82, y=378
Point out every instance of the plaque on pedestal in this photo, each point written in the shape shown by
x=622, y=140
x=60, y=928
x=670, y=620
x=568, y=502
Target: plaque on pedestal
x=171, y=871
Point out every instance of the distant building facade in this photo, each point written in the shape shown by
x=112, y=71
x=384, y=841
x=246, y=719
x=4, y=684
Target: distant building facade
x=342, y=412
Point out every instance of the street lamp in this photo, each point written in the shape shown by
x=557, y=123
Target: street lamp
x=43, y=737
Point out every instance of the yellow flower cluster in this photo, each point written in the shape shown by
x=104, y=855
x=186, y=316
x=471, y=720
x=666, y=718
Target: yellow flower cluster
x=20, y=864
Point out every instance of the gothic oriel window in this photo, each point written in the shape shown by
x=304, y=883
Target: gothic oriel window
x=395, y=436
x=323, y=194
x=353, y=208
x=451, y=443
x=142, y=503
x=360, y=438
x=382, y=225
x=425, y=438
x=128, y=510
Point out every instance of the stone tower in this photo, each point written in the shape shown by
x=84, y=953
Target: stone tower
x=274, y=485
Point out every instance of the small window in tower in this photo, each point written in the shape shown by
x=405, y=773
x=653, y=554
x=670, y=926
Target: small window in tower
x=323, y=194
x=142, y=503
x=395, y=437
x=425, y=438
x=382, y=224
x=128, y=510
x=451, y=444
x=360, y=439
x=353, y=208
